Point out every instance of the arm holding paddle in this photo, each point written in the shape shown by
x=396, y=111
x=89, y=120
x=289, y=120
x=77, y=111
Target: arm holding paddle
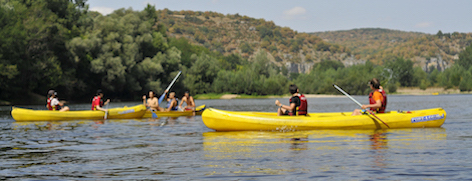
x=168, y=88
x=102, y=109
x=357, y=102
x=377, y=104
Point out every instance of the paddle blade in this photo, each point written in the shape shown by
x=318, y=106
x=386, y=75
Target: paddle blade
x=161, y=98
x=154, y=115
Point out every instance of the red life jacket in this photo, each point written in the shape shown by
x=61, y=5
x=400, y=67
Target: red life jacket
x=303, y=108
x=49, y=104
x=384, y=101
x=97, y=101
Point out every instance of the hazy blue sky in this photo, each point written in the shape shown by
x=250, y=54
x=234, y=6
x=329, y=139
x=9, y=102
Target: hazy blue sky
x=427, y=16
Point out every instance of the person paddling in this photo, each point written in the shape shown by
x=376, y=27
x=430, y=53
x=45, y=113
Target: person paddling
x=152, y=102
x=189, y=101
x=97, y=102
x=172, y=103
x=295, y=102
x=54, y=104
x=377, y=99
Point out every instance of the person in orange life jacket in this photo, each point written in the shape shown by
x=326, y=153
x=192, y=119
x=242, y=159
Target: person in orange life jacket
x=54, y=104
x=152, y=102
x=377, y=99
x=97, y=102
x=172, y=103
x=295, y=102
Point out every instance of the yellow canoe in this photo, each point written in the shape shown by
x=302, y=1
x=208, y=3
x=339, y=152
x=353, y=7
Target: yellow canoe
x=21, y=114
x=221, y=120
x=198, y=111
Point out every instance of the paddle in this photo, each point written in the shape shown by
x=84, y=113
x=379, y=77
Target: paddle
x=106, y=112
x=170, y=85
x=358, y=103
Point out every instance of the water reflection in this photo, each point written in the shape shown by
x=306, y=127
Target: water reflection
x=378, y=144
x=230, y=152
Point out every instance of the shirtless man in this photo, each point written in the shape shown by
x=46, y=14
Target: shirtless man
x=152, y=102
x=189, y=101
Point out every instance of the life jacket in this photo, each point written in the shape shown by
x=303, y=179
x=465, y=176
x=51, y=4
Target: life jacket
x=384, y=101
x=175, y=107
x=299, y=109
x=303, y=108
x=100, y=102
x=49, y=104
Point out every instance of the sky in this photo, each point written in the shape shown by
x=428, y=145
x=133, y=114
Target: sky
x=427, y=16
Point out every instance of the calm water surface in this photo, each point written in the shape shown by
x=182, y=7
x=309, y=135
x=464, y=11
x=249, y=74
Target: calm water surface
x=184, y=149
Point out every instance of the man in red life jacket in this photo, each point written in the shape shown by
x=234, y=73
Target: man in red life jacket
x=377, y=99
x=54, y=104
x=296, y=101
x=97, y=102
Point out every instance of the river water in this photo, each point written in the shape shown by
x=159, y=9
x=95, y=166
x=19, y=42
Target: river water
x=185, y=149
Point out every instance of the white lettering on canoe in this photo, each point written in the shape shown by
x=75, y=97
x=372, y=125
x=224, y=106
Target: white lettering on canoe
x=426, y=118
x=126, y=112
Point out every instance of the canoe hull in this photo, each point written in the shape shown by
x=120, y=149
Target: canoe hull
x=220, y=120
x=21, y=114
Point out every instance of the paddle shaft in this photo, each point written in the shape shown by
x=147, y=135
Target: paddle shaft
x=168, y=88
x=106, y=112
x=346, y=94
x=358, y=103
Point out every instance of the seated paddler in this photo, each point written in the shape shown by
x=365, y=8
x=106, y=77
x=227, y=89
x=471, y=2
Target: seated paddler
x=152, y=102
x=297, y=104
x=172, y=103
x=377, y=99
x=53, y=102
x=97, y=101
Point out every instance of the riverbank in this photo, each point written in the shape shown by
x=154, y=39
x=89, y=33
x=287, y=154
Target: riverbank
x=400, y=91
x=428, y=91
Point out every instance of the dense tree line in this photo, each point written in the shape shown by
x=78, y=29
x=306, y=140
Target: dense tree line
x=60, y=44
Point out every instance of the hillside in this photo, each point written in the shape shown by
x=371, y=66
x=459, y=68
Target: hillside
x=380, y=45
x=236, y=34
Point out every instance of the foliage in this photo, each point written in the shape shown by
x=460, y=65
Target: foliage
x=465, y=58
x=379, y=45
x=402, y=71
x=58, y=44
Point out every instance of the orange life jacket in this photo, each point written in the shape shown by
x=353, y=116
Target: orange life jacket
x=384, y=101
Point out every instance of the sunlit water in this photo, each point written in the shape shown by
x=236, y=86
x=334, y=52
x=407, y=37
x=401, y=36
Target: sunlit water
x=184, y=149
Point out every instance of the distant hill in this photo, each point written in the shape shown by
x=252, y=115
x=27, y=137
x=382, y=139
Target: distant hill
x=236, y=34
x=380, y=45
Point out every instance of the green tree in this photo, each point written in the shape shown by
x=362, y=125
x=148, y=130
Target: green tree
x=465, y=58
x=466, y=82
x=402, y=71
x=451, y=77
x=246, y=48
x=200, y=76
